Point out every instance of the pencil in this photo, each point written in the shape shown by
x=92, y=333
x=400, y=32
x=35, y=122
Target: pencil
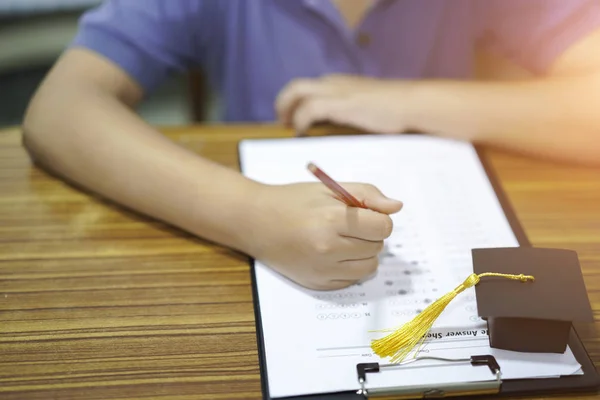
x=335, y=187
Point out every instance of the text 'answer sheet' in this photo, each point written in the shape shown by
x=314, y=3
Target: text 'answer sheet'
x=314, y=339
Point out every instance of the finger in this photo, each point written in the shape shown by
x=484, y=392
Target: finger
x=357, y=269
x=374, y=199
x=293, y=93
x=366, y=225
x=357, y=249
x=349, y=270
x=326, y=108
x=331, y=284
x=345, y=273
x=341, y=78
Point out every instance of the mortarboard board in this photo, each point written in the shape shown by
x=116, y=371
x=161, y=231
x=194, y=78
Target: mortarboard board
x=536, y=316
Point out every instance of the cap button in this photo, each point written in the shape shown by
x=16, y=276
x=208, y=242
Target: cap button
x=363, y=39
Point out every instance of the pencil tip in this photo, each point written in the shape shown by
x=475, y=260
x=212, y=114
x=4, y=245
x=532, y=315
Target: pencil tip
x=311, y=167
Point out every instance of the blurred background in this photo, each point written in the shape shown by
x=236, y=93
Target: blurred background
x=33, y=33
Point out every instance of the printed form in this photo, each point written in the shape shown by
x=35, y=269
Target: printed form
x=314, y=339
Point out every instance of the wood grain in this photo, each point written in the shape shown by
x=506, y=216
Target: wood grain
x=99, y=303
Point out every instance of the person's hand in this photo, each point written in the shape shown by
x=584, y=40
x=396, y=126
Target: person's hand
x=314, y=239
x=372, y=105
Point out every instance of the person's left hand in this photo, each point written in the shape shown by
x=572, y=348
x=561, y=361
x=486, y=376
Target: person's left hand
x=373, y=105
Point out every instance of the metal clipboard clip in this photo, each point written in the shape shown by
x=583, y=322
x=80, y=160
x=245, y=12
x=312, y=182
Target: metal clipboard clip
x=473, y=388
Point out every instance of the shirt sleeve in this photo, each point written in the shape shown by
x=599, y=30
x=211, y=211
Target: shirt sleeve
x=148, y=39
x=533, y=33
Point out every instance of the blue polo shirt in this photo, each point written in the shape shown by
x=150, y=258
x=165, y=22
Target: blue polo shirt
x=250, y=49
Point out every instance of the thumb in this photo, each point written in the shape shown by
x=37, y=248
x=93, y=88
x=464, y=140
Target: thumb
x=373, y=199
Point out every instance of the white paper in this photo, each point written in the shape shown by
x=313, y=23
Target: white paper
x=314, y=339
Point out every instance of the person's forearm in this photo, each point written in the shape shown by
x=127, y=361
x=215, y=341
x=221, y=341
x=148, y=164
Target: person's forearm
x=90, y=138
x=556, y=118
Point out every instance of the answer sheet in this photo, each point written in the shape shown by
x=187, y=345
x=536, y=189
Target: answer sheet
x=314, y=339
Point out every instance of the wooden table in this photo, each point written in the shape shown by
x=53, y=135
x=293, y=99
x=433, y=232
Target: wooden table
x=99, y=303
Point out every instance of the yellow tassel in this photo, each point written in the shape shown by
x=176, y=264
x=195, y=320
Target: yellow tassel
x=401, y=342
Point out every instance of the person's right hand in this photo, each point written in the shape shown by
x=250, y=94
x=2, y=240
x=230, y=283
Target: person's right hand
x=303, y=232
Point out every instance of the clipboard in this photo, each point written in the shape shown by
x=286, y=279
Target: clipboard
x=588, y=382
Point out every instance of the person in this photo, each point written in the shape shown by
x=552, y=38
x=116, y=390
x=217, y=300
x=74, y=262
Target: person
x=381, y=66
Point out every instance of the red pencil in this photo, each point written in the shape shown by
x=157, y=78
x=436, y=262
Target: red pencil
x=335, y=187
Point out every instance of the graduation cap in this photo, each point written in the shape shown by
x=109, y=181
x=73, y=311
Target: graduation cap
x=536, y=317
x=529, y=297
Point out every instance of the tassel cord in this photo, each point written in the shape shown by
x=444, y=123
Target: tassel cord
x=402, y=341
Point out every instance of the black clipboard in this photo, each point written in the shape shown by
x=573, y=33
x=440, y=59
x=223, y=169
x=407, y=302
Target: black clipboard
x=589, y=382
